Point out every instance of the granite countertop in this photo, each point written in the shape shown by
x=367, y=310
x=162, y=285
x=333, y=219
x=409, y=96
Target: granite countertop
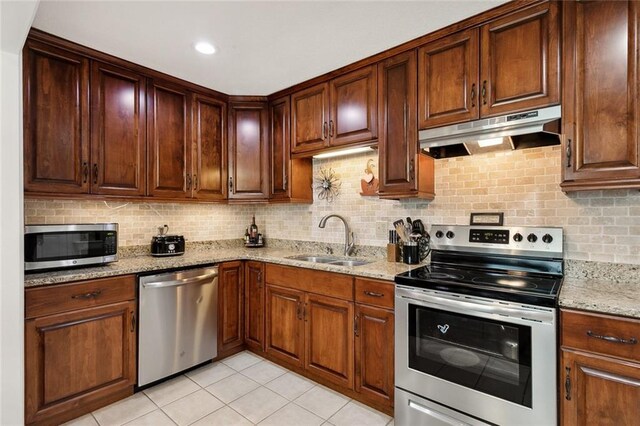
x=378, y=268
x=616, y=297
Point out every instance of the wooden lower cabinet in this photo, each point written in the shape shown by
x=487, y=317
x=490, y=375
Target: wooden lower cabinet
x=79, y=360
x=254, y=305
x=599, y=369
x=374, y=353
x=284, y=324
x=230, y=307
x=329, y=338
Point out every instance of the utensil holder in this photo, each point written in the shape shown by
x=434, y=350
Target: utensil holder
x=410, y=253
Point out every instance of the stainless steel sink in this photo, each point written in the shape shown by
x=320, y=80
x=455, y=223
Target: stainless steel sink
x=350, y=262
x=315, y=259
x=329, y=260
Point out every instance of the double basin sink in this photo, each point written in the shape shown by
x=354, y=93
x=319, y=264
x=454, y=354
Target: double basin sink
x=330, y=260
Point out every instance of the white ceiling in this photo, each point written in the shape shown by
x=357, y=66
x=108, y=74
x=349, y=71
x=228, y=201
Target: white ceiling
x=263, y=46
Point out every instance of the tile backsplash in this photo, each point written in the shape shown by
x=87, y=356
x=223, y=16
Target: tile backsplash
x=599, y=225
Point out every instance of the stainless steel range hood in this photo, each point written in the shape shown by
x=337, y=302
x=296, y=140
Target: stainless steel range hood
x=544, y=121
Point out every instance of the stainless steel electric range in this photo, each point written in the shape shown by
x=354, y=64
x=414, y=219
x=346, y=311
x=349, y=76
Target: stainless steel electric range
x=475, y=330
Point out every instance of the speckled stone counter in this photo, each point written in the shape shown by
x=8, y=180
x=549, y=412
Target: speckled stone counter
x=378, y=268
x=608, y=288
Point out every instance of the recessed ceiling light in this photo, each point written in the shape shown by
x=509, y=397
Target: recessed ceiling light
x=205, y=48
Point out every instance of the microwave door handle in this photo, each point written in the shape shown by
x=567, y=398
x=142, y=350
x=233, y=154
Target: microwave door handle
x=478, y=307
x=185, y=281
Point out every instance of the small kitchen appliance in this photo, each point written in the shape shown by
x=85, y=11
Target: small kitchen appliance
x=166, y=245
x=66, y=246
x=475, y=331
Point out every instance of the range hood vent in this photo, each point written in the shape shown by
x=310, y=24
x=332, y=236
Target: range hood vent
x=529, y=129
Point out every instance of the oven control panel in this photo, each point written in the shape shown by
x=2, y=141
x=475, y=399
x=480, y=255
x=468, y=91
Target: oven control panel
x=516, y=240
x=489, y=236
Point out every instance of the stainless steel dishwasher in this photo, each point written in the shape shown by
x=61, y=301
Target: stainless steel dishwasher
x=178, y=322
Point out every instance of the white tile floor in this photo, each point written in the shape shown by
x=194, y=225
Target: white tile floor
x=244, y=389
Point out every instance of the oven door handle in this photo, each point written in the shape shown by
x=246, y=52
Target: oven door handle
x=523, y=313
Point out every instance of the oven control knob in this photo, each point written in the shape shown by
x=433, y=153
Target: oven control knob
x=517, y=237
x=450, y=234
x=546, y=238
x=532, y=238
x=439, y=234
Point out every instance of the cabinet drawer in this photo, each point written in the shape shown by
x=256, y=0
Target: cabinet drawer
x=588, y=332
x=319, y=282
x=79, y=295
x=376, y=293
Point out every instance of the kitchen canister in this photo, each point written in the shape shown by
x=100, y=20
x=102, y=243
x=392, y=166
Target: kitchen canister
x=410, y=252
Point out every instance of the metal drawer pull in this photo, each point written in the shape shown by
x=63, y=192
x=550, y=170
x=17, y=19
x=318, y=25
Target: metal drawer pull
x=91, y=295
x=435, y=414
x=613, y=339
x=374, y=294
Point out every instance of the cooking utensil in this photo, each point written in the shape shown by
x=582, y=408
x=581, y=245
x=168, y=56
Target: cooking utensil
x=402, y=231
x=418, y=226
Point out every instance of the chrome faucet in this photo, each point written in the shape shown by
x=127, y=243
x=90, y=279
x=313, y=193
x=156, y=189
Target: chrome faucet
x=349, y=244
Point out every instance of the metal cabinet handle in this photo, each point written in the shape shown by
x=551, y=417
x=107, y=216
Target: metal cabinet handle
x=299, y=311
x=133, y=321
x=259, y=277
x=613, y=339
x=356, y=328
x=374, y=294
x=568, y=153
x=285, y=181
x=188, y=181
x=230, y=184
x=484, y=92
x=331, y=128
x=473, y=95
x=85, y=296
x=95, y=173
x=195, y=181
x=412, y=169
x=85, y=172
x=567, y=384
x=324, y=130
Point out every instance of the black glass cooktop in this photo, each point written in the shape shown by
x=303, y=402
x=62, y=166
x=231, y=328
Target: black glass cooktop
x=519, y=286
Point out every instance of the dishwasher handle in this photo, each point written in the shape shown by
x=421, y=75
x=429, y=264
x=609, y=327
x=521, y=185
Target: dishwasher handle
x=184, y=281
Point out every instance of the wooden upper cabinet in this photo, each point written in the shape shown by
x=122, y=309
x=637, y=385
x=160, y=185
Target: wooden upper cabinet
x=56, y=120
x=209, y=170
x=508, y=65
x=448, y=80
x=118, y=131
x=310, y=118
x=169, y=140
x=403, y=171
x=353, y=107
x=291, y=178
x=520, y=61
x=600, y=113
x=340, y=112
x=248, y=151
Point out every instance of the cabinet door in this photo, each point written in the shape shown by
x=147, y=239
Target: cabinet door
x=600, y=111
x=284, y=337
x=254, y=305
x=398, y=140
x=78, y=358
x=598, y=390
x=520, y=61
x=279, y=117
x=448, y=80
x=230, y=313
x=354, y=107
x=310, y=118
x=374, y=330
x=329, y=339
x=209, y=180
x=248, y=152
x=169, y=141
x=118, y=132
x=56, y=120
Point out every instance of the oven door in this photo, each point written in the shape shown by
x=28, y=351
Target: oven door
x=495, y=361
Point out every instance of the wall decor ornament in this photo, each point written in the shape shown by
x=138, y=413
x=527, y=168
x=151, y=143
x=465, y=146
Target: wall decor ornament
x=369, y=184
x=327, y=183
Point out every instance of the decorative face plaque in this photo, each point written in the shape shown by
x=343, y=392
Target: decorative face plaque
x=487, y=219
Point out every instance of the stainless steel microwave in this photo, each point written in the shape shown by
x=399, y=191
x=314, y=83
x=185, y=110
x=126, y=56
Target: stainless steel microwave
x=67, y=246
